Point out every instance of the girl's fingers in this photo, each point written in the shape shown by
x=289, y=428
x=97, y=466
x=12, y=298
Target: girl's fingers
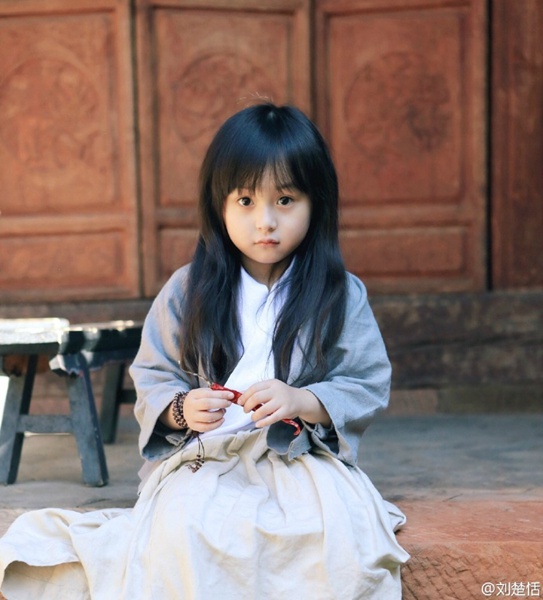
x=266, y=410
x=211, y=395
x=253, y=398
x=204, y=409
x=268, y=418
x=206, y=399
x=210, y=416
x=208, y=421
x=255, y=389
x=212, y=404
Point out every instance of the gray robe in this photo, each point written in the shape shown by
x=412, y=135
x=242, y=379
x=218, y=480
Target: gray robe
x=356, y=387
x=253, y=523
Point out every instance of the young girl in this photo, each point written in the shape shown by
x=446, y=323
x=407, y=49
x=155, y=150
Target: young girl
x=254, y=495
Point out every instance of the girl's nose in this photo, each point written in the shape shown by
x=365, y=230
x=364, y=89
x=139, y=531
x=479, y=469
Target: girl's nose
x=266, y=220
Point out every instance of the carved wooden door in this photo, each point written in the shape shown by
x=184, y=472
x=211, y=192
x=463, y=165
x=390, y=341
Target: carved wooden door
x=68, y=212
x=400, y=96
x=199, y=62
x=397, y=86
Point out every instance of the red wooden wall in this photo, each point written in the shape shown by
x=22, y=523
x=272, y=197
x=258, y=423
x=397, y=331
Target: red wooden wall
x=106, y=107
x=401, y=96
x=517, y=144
x=199, y=63
x=68, y=222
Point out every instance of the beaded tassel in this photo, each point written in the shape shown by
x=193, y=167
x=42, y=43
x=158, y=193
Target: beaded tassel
x=200, y=456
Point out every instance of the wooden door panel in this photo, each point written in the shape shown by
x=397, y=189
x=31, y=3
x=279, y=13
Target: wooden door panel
x=32, y=262
x=199, y=63
x=397, y=253
x=517, y=144
x=401, y=99
x=68, y=207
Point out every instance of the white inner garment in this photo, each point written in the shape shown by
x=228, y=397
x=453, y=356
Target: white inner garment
x=258, y=308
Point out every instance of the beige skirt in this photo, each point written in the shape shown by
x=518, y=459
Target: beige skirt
x=248, y=525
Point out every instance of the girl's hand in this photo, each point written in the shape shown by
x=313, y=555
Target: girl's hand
x=203, y=409
x=280, y=401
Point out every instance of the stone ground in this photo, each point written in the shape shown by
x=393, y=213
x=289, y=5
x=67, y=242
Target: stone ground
x=470, y=485
x=407, y=458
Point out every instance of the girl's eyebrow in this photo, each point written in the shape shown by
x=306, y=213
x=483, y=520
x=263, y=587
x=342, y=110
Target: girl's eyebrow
x=280, y=187
x=288, y=186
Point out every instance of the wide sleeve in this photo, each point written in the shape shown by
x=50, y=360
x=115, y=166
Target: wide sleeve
x=355, y=389
x=156, y=373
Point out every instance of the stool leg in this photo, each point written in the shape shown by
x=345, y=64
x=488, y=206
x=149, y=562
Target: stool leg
x=87, y=429
x=109, y=413
x=17, y=403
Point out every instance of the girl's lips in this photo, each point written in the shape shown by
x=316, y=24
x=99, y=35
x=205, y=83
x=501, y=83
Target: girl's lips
x=267, y=242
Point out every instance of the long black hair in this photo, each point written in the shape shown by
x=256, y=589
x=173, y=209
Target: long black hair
x=253, y=141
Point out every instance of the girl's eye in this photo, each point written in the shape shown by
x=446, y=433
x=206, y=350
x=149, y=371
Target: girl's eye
x=244, y=201
x=285, y=200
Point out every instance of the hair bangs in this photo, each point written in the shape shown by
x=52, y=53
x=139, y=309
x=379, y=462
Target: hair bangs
x=249, y=159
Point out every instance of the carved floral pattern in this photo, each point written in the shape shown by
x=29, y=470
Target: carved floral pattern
x=48, y=114
x=397, y=106
x=212, y=88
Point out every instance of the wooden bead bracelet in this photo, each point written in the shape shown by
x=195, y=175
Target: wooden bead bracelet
x=180, y=421
x=177, y=410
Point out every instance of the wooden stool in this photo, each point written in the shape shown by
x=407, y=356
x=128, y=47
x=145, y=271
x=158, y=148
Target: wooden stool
x=110, y=345
x=27, y=346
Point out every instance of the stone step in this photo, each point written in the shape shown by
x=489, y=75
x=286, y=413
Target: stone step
x=471, y=487
x=462, y=550
x=472, y=549
x=7, y=516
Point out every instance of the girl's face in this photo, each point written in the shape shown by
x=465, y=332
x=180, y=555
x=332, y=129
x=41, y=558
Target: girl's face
x=267, y=225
